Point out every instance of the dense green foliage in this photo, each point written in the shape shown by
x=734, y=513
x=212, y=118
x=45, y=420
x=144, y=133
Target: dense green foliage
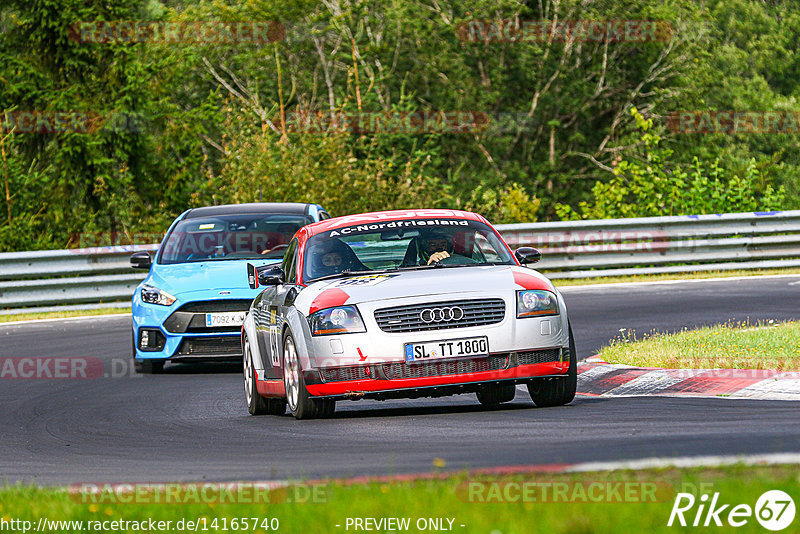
x=209, y=122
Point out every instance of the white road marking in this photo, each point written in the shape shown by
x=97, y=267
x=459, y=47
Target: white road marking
x=780, y=458
x=647, y=384
x=82, y=318
x=673, y=282
x=780, y=389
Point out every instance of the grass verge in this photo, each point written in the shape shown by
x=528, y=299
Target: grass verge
x=615, y=501
x=700, y=275
x=61, y=314
x=770, y=345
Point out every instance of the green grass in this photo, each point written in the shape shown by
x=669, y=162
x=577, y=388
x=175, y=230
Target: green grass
x=61, y=314
x=770, y=345
x=575, y=509
x=700, y=275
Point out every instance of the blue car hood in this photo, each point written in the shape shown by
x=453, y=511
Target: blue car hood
x=202, y=276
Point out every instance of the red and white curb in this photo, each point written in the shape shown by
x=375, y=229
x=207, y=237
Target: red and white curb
x=602, y=379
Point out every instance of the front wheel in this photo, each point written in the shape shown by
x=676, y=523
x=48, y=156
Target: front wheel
x=546, y=392
x=301, y=404
x=256, y=404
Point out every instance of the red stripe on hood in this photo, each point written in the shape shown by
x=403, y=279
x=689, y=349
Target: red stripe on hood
x=528, y=281
x=328, y=299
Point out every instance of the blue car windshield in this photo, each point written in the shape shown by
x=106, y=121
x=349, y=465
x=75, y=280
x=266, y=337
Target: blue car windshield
x=230, y=237
x=403, y=244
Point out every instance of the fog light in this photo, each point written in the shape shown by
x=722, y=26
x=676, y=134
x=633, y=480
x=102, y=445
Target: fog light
x=151, y=340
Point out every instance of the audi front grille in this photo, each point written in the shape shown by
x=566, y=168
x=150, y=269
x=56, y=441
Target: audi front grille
x=441, y=315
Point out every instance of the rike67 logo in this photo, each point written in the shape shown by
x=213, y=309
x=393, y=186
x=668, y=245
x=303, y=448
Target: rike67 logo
x=774, y=510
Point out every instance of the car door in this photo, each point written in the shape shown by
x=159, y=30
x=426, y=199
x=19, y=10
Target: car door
x=272, y=309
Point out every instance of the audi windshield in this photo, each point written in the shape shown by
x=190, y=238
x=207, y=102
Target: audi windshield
x=227, y=237
x=403, y=244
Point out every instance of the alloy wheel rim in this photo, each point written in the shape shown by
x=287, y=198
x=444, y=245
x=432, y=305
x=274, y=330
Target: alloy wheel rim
x=291, y=377
x=248, y=369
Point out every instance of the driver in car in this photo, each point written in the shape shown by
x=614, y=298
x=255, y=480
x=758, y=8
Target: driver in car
x=431, y=246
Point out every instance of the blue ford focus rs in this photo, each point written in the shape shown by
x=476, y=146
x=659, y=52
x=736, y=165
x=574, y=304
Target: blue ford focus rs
x=193, y=301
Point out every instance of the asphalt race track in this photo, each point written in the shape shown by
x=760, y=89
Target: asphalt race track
x=191, y=423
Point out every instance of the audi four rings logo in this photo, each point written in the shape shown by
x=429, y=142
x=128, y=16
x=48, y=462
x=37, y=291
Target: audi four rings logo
x=440, y=315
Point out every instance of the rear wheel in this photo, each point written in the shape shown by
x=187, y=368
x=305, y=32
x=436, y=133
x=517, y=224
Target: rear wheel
x=547, y=392
x=494, y=394
x=301, y=404
x=256, y=404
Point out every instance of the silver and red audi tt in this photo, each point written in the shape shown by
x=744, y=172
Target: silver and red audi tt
x=411, y=303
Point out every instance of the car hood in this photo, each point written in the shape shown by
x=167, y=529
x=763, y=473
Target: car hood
x=427, y=282
x=183, y=278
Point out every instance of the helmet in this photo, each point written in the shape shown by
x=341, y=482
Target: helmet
x=329, y=257
x=431, y=241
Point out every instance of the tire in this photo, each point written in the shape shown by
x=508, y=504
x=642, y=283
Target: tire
x=494, y=394
x=546, y=392
x=256, y=404
x=301, y=404
x=148, y=367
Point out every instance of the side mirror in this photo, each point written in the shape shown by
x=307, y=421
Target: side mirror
x=527, y=255
x=267, y=275
x=141, y=260
x=271, y=276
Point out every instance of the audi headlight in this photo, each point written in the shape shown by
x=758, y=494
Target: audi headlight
x=536, y=303
x=153, y=295
x=339, y=320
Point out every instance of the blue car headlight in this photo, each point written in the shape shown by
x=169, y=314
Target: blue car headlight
x=536, y=303
x=338, y=320
x=153, y=295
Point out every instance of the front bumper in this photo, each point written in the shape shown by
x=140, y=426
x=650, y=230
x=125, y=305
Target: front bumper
x=442, y=377
x=181, y=331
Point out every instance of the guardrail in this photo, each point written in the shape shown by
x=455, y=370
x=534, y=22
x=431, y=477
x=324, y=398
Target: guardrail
x=653, y=245
x=570, y=249
x=73, y=276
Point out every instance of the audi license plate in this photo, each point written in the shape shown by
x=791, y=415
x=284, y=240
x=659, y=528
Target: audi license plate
x=225, y=319
x=451, y=348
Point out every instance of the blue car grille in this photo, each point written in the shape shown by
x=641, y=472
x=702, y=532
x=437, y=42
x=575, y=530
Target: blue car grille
x=211, y=346
x=191, y=317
